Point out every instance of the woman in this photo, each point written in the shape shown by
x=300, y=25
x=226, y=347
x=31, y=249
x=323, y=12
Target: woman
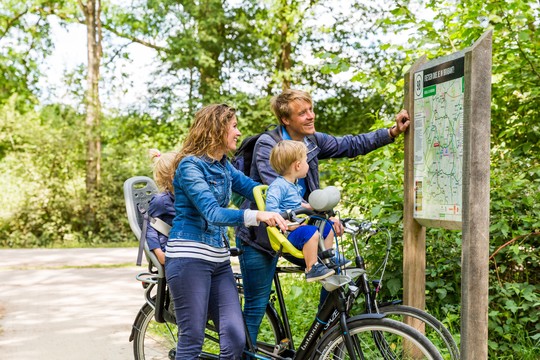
x=197, y=262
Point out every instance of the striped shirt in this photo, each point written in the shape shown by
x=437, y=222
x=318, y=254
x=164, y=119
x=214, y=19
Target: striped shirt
x=177, y=248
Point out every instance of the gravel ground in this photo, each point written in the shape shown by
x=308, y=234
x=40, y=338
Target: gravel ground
x=58, y=304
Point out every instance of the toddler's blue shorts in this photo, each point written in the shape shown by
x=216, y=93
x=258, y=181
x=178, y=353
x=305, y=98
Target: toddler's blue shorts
x=299, y=236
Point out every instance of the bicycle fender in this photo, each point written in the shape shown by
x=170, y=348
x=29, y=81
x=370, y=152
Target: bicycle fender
x=366, y=316
x=133, y=328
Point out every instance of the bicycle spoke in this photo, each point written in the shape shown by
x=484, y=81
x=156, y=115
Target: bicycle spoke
x=378, y=339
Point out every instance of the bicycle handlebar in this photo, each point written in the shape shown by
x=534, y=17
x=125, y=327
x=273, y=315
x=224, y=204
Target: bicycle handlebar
x=291, y=214
x=353, y=226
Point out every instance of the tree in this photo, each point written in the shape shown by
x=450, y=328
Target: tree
x=92, y=14
x=195, y=40
x=24, y=42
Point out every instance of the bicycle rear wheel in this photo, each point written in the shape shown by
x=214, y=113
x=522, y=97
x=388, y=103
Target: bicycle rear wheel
x=375, y=339
x=153, y=340
x=157, y=341
x=435, y=331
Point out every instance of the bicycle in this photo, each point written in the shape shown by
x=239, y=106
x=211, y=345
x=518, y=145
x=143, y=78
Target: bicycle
x=433, y=328
x=366, y=336
x=428, y=324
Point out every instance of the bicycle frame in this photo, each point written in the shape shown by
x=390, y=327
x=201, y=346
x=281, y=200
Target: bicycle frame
x=363, y=283
x=333, y=312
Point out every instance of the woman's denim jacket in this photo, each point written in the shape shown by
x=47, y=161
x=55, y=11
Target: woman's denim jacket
x=202, y=188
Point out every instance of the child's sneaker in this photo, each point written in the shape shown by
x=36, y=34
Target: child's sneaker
x=340, y=261
x=318, y=272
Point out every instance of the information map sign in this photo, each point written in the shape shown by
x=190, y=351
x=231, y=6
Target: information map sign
x=438, y=142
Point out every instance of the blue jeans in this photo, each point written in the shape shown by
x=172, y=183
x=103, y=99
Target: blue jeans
x=258, y=270
x=203, y=289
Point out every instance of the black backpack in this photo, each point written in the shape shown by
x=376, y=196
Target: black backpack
x=243, y=156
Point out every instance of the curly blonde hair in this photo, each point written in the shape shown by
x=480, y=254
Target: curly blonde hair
x=207, y=134
x=162, y=168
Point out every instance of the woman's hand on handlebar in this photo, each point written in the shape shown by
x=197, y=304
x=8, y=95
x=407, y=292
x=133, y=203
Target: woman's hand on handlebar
x=272, y=219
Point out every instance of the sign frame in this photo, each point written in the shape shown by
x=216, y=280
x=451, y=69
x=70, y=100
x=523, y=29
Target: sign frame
x=475, y=200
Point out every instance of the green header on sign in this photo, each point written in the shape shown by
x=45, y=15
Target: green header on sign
x=430, y=90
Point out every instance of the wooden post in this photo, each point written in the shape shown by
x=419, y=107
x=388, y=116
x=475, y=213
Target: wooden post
x=465, y=204
x=414, y=234
x=475, y=248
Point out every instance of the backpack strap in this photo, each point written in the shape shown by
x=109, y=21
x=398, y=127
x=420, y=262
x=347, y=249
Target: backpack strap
x=274, y=133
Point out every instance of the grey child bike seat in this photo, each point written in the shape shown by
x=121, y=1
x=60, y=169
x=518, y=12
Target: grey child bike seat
x=138, y=191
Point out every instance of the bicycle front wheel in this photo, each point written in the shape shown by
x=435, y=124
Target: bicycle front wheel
x=375, y=339
x=434, y=329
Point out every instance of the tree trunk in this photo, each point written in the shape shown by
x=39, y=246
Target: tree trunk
x=285, y=56
x=285, y=29
x=92, y=11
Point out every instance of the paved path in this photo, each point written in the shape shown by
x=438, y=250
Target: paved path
x=74, y=304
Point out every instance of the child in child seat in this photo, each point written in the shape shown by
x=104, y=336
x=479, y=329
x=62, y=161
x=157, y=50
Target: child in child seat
x=162, y=204
x=289, y=160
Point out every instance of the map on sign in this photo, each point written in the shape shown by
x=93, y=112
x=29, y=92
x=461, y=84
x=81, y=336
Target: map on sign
x=438, y=141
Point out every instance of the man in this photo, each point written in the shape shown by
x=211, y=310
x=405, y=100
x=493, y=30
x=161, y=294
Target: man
x=294, y=110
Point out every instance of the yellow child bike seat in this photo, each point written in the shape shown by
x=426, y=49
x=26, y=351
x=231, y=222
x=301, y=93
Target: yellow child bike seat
x=278, y=241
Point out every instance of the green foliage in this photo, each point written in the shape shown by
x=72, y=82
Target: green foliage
x=513, y=319
x=220, y=58
x=515, y=264
x=44, y=175
x=514, y=179
x=23, y=39
x=347, y=112
x=37, y=210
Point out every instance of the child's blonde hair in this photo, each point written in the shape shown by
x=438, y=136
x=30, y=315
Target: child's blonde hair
x=163, y=169
x=285, y=153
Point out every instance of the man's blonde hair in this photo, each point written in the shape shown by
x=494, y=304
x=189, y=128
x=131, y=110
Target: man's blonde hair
x=280, y=104
x=163, y=169
x=285, y=153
